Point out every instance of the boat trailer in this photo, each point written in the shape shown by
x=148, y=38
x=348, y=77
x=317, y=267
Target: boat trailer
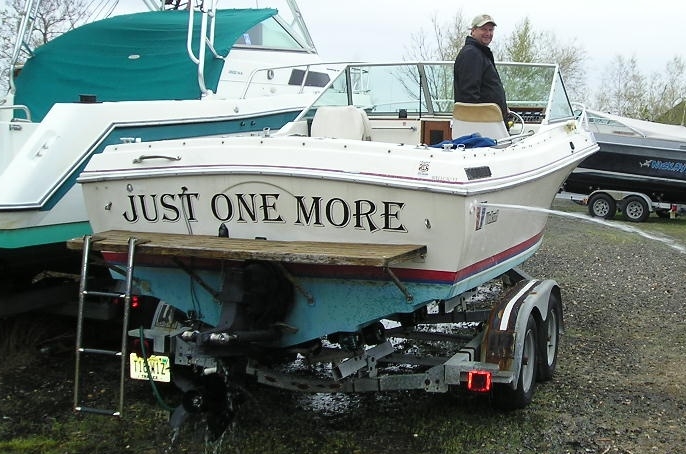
x=498, y=339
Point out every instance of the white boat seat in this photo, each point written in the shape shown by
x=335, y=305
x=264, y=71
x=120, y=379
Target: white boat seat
x=341, y=122
x=484, y=118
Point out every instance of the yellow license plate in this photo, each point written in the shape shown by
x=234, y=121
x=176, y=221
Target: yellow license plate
x=158, y=365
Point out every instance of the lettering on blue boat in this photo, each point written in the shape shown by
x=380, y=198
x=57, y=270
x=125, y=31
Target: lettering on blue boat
x=272, y=208
x=671, y=166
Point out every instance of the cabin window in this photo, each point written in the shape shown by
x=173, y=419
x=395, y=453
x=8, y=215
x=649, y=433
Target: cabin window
x=269, y=34
x=560, y=107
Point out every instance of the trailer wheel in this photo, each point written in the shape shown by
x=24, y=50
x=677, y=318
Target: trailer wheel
x=602, y=206
x=507, y=398
x=549, y=339
x=635, y=209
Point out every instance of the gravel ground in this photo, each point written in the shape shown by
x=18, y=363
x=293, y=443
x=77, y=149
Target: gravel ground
x=620, y=380
x=619, y=386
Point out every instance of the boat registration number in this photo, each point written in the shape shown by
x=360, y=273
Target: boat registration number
x=159, y=366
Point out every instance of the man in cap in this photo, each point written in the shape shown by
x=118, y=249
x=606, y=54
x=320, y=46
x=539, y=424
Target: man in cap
x=476, y=78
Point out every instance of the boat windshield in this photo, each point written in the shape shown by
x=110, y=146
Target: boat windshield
x=426, y=89
x=285, y=31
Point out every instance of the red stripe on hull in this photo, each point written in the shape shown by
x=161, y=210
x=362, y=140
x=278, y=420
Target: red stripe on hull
x=348, y=272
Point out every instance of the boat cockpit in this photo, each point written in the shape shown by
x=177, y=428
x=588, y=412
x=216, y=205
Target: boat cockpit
x=413, y=103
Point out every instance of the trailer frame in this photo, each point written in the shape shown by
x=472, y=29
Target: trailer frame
x=499, y=345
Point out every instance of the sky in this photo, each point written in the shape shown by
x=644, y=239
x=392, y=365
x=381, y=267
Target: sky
x=653, y=32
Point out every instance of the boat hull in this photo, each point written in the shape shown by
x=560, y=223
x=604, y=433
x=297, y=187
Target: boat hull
x=652, y=166
x=41, y=202
x=333, y=190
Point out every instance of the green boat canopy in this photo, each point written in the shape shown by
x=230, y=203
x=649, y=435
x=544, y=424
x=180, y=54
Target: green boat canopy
x=139, y=56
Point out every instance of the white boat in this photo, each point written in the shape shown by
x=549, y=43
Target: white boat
x=358, y=177
x=136, y=77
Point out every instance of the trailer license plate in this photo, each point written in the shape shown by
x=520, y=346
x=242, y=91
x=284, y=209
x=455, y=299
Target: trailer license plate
x=159, y=368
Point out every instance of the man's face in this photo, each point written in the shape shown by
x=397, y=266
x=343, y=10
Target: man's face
x=484, y=34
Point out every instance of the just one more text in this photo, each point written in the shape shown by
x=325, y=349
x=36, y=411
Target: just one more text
x=266, y=208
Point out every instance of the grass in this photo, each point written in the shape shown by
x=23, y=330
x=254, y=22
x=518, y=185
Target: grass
x=92, y=434
x=673, y=228
x=34, y=444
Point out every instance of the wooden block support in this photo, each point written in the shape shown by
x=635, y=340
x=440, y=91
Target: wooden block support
x=212, y=247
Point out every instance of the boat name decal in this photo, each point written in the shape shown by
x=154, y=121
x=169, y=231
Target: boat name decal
x=484, y=216
x=664, y=165
x=316, y=211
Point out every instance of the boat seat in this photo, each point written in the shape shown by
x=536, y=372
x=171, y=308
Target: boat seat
x=485, y=118
x=341, y=122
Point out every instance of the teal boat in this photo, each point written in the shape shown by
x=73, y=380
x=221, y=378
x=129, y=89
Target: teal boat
x=152, y=75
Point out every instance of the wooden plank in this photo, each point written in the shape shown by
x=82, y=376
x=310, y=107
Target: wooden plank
x=212, y=247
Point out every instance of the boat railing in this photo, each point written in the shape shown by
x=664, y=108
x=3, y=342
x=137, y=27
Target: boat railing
x=14, y=133
x=205, y=41
x=25, y=109
x=23, y=38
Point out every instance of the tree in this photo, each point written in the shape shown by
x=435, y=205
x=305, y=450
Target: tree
x=526, y=45
x=622, y=87
x=443, y=43
x=667, y=90
x=522, y=45
x=53, y=18
x=673, y=101
x=626, y=91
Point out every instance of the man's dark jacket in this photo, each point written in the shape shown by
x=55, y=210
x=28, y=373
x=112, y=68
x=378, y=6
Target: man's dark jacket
x=476, y=78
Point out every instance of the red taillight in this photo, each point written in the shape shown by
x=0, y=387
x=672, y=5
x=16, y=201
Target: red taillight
x=135, y=301
x=137, y=348
x=479, y=381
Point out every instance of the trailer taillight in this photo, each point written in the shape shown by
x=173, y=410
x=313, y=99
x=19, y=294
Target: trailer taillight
x=479, y=381
x=135, y=301
x=141, y=349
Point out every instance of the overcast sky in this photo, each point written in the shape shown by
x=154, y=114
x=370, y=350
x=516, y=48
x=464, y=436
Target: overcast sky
x=652, y=31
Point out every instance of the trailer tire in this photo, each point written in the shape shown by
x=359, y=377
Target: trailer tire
x=549, y=339
x=635, y=209
x=507, y=398
x=602, y=206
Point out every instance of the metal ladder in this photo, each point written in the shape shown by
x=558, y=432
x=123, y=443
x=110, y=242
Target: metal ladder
x=84, y=294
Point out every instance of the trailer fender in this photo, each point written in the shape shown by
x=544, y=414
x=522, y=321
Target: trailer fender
x=503, y=341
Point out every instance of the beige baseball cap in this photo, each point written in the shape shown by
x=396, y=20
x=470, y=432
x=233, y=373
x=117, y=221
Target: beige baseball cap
x=481, y=20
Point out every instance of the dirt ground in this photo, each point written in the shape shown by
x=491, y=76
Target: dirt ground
x=619, y=385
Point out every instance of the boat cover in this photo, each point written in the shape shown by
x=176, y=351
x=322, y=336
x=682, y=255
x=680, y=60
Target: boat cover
x=647, y=129
x=140, y=56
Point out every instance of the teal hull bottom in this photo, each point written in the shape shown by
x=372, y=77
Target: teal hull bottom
x=25, y=253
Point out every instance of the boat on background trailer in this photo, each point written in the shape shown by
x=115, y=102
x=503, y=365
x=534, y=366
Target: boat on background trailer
x=640, y=167
x=136, y=77
x=311, y=241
